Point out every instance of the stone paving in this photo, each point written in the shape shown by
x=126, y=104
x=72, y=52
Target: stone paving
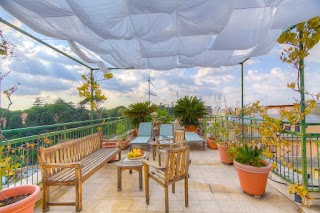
x=213, y=187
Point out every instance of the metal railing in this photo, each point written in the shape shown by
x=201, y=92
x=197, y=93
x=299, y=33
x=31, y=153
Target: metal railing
x=22, y=151
x=287, y=157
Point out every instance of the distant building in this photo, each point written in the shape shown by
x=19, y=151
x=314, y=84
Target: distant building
x=209, y=110
x=277, y=109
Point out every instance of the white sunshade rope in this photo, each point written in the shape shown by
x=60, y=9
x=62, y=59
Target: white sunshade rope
x=165, y=34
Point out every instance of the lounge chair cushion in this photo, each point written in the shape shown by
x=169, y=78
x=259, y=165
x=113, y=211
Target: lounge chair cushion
x=145, y=129
x=141, y=140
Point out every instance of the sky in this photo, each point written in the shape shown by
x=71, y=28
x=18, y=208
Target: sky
x=49, y=75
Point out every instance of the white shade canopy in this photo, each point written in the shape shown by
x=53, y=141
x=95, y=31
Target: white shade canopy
x=164, y=34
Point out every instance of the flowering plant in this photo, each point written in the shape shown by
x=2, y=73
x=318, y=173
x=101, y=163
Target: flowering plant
x=302, y=192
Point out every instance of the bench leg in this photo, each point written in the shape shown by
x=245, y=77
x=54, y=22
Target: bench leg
x=45, y=198
x=78, y=190
x=119, y=156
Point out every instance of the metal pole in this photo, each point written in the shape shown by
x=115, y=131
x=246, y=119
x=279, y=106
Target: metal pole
x=91, y=92
x=303, y=118
x=44, y=43
x=242, y=103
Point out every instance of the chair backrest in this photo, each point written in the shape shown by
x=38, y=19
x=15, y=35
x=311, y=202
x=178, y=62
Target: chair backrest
x=176, y=163
x=166, y=130
x=179, y=136
x=145, y=129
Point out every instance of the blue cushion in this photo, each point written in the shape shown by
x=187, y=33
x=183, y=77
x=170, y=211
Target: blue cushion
x=193, y=137
x=166, y=130
x=141, y=140
x=145, y=129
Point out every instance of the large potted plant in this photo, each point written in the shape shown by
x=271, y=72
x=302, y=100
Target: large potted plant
x=252, y=170
x=18, y=199
x=139, y=112
x=188, y=111
x=227, y=143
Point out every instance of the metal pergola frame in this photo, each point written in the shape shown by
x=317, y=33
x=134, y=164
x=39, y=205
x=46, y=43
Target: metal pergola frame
x=302, y=124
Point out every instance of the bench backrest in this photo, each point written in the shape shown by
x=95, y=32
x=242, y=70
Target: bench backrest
x=70, y=151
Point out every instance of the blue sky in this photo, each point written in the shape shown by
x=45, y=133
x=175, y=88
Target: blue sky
x=44, y=73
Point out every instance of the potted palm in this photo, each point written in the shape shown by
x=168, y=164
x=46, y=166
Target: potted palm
x=252, y=170
x=139, y=112
x=188, y=111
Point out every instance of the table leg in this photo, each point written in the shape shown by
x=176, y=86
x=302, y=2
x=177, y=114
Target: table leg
x=140, y=178
x=119, y=179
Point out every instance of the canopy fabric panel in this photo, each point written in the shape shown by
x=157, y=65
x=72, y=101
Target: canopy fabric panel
x=164, y=34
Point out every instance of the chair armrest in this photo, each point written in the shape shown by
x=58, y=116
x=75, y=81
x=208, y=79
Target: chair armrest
x=62, y=165
x=153, y=164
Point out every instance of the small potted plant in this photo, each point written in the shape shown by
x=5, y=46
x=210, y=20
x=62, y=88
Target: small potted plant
x=121, y=140
x=227, y=144
x=252, y=170
x=122, y=136
x=301, y=194
x=212, y=137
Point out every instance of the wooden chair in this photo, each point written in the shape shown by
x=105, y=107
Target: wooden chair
x=174, y=169
x=179, y=136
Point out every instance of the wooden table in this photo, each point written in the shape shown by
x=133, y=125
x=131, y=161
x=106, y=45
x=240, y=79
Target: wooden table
x=163, y=143
x=131, y=165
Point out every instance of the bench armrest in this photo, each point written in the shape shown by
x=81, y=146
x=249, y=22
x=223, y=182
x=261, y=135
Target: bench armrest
x=62, y=165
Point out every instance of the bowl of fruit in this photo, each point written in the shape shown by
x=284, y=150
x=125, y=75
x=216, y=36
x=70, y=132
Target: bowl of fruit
x=135, y=154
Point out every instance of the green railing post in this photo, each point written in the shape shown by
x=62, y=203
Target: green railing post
x=303, y=118
x=242, y=104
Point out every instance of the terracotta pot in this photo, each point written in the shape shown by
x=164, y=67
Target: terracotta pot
x=124, y=143
x=212, y=144
x=23, y=206
x=136, y=130
x=253, y=180
x=224, y=157
x=111, y=145
x=191, y=128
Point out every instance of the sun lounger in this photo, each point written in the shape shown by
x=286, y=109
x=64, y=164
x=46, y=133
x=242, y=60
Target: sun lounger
x=192, y=137
x=145, y=134
x=166, y=131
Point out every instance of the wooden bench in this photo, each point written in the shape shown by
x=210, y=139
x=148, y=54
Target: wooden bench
x=71, y=163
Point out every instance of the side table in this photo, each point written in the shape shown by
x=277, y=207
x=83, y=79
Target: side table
x=136, y=165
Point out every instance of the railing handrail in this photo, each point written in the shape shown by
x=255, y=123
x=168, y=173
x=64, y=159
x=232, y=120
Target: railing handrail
x=7, y=131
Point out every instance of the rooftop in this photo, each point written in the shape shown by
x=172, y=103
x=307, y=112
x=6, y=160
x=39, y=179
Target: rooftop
x=213, y=187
